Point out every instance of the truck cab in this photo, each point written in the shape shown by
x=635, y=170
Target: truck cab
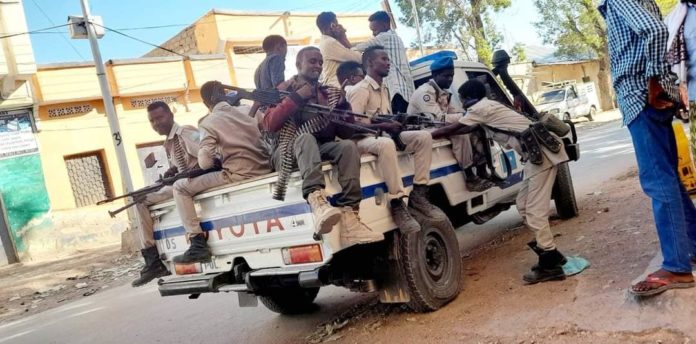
x=264, y=249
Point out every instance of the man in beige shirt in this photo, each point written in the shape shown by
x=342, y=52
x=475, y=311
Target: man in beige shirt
x=229, y=138
x=533, y=200
x=181, y=146
x=334, y=47
x=370, y=97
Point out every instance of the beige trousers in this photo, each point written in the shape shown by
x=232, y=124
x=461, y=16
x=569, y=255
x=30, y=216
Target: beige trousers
x=419, y=143
x=462, y=145
x=146, y=223
x=533, y=203
x=186, y=189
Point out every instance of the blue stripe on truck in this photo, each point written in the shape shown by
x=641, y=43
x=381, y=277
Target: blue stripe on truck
x=303, y=208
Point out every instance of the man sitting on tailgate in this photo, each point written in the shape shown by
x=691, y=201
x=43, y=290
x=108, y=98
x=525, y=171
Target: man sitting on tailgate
x=309, y=149
x=231, y=139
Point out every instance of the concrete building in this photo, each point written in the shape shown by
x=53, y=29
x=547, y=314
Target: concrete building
x=21, y=176
x=238, y=35
x=531, y=75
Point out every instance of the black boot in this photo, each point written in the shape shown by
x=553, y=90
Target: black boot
x=198, y=252
x=153, y=267
x=550, y=268
x=538, y=250
x=418, y=199
x=402, y=218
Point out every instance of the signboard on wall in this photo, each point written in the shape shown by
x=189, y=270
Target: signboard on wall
x=16, y=134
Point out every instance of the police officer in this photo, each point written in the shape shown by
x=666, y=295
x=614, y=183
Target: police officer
x=433, y=100
x=371, y=97
x=533, y=200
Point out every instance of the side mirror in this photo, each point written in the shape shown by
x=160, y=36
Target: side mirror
x=500, y=59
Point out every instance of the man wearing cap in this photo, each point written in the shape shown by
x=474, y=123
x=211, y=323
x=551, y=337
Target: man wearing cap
x=433, y=100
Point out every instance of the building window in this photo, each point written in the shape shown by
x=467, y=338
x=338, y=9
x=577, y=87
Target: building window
x=88, y=178
x=69, y=111
x=141, y=103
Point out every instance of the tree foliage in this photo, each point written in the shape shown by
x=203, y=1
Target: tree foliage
x=574, y=27
x=518, y=53
x=467, y=23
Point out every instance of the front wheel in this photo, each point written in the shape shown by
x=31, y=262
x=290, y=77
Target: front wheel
x=564, y=193
x=290, y=300
x=592, y=114
x=431, y=264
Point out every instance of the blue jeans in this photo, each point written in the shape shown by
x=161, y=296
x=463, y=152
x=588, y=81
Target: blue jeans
x=674, y=212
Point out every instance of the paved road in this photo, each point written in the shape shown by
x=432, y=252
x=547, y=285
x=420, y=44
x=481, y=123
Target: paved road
x=129, y=315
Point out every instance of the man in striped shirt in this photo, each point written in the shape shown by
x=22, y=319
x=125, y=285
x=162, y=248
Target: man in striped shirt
x=399, y=81
x=648, y=98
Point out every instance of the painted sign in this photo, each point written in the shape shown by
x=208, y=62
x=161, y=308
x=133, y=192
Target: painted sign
x=16, y=134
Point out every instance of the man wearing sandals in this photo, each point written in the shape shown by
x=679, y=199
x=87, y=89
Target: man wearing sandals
x=533, y=201
x=648, y=98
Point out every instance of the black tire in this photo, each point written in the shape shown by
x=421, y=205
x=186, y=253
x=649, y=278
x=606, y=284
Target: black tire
x=290, y=300
x=431, y=264
x=564, y=193
x=591, y=115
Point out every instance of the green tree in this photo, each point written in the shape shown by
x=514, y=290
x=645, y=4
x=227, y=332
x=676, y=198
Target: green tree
x=466, y=22
x=518, y=53
x=577, y=30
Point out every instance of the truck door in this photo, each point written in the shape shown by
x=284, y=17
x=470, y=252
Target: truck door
x=573, y=102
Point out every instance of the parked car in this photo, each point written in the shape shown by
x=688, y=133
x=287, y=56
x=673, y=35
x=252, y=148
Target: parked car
x=567, y=101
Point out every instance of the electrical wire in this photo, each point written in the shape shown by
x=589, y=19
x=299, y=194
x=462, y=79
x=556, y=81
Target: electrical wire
x=31, y=32
x=139, y=40
x=52, y=23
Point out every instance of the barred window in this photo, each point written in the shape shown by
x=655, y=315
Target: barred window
x=140, y=103
x=69, y=110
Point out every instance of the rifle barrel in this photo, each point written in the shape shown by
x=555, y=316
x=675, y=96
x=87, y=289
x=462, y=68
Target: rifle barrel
x=113, y=213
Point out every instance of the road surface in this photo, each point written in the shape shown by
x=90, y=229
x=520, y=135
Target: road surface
x=140, y=315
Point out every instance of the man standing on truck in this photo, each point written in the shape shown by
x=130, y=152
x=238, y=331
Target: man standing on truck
x=399, y=81
x=533, y=200
x=433, y=100
x=334, y=46
x=230, y=139
x=181, y=146
x=371, y=97
x=648, y=97
x=271, y=72
x=311, y=149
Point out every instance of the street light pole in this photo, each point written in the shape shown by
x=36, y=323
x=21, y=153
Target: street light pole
x=109, y=107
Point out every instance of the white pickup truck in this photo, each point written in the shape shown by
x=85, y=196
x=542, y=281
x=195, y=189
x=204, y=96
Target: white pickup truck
x=263, y=248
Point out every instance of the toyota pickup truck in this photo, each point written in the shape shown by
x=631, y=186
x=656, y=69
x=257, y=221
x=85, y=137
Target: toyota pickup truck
x=263, y=249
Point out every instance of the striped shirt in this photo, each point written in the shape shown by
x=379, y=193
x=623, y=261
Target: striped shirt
x=637, y=40
x=399, y=80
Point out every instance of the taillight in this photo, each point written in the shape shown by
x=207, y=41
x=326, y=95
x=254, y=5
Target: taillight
x=188, y=269
x=302, y=254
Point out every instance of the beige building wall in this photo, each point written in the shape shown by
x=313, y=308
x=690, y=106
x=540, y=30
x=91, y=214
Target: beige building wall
x=218, y=31
x=72, y=119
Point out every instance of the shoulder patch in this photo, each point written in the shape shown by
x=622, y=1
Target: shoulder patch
x=426, y=97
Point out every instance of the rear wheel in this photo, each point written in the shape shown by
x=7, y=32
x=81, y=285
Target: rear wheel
x=290, y=300
x=564, y=193
x=431, y=264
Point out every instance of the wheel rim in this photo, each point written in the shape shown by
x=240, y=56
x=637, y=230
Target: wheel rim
x=435, y=252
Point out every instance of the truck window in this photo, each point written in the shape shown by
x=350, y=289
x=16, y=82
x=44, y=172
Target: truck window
x=493, y=89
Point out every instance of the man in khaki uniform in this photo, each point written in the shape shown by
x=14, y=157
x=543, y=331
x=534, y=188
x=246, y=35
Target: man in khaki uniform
x=231, y=139
x=533, y=200
x=181, y=146
x=432, y=99
x=334, y=47
x=370, y=97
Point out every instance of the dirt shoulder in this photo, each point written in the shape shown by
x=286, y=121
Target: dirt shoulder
x=30, y=288
x=615, y=232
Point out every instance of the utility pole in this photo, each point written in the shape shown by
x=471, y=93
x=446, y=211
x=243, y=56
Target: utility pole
x=110, y=110
x=417, y=22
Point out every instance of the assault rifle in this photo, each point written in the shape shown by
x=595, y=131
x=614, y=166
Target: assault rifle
x=162, y=182
x=274, y=97
x=409, y=122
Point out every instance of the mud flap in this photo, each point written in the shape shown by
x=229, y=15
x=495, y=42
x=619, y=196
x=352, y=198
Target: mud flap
x=392, y=285
x=247, y=300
